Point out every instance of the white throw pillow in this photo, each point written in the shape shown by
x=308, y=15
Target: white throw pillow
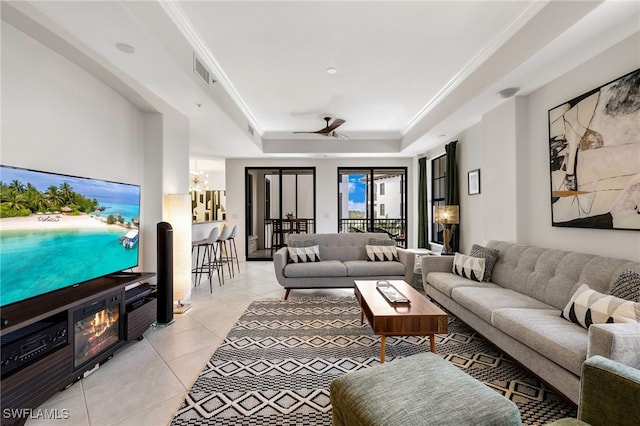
x=469, y=267
x=588, y=307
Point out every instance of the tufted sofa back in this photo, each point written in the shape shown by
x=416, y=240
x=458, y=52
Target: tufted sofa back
x=551, y=275
x=343, y=246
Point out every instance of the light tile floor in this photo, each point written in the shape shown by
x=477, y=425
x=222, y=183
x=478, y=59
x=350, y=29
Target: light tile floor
x=145, y=382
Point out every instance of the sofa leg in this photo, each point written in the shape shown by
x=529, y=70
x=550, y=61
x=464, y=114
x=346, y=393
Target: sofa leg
x=286, y=293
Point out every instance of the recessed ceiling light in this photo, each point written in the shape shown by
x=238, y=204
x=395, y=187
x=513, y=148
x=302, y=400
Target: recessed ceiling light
x=331, y=70
x=126, y=48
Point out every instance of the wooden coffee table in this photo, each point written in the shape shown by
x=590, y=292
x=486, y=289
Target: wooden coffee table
x=419, y=318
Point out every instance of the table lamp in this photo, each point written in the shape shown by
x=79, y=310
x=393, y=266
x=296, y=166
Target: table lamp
x=447, y=215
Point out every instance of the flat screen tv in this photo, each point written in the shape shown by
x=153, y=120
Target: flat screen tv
x=58, y=231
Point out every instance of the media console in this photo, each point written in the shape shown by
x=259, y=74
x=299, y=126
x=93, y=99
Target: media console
x=50, y=341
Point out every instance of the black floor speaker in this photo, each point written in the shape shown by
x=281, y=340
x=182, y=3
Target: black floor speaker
x=165, y=273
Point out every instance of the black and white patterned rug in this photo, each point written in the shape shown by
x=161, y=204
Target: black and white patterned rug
x=275, y=366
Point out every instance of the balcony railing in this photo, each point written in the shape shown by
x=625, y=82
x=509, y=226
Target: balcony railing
x=395, y=228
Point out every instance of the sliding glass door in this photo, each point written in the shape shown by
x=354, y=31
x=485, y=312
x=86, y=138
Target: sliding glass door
x=280, y=201
x=373, y=200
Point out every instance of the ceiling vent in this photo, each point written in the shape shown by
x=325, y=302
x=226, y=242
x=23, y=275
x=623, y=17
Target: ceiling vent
x=201, y=70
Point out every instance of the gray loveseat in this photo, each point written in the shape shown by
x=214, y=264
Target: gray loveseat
x=519, y=309
x=343, y=260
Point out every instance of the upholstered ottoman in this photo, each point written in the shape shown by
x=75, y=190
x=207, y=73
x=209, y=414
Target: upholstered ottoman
x=420, y=390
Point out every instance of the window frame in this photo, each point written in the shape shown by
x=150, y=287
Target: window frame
x=438, y=175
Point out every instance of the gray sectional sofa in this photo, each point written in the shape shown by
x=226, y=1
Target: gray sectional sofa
x=519, y=309
x=343, y=260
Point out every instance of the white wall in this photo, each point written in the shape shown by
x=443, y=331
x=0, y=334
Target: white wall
x=613, y=63
x=510, y=147
x=57, y=117
x=326, y=188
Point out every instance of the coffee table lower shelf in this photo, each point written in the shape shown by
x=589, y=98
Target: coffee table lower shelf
x=419, y=318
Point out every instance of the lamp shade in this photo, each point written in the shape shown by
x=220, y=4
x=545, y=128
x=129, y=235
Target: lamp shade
x=177, y=211
x=446, y=214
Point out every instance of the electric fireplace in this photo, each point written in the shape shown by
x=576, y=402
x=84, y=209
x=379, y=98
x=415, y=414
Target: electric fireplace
x=97, y=327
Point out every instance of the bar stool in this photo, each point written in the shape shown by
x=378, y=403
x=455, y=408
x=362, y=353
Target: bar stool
x=207, y=246
x=234, y=249
x=222, y=244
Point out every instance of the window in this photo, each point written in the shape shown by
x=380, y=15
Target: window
x=438, y=173
x=373, y=200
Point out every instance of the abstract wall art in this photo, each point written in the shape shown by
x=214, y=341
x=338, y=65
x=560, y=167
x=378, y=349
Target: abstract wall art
x=594, y=147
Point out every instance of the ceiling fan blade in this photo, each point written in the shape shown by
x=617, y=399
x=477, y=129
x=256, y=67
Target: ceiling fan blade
x=330, y=128
x=316, y=132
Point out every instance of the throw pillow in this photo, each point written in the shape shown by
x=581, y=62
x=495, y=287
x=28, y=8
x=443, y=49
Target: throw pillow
x=381, y=253
x=382, y=242
x=303, y=243
x=304, y=254
x=469, y=267
x=588, y=307
x=490, y=255
x=627, y=286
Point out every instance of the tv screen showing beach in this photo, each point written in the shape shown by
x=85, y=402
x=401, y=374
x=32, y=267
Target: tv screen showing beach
x=57, y=231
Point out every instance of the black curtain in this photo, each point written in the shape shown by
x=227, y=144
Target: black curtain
x=452, y=192
x=423, y=204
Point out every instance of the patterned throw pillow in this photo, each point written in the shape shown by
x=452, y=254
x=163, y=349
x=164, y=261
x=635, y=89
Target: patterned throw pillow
x=588, y=307
x=627, y=286
x=304, y=254
x=469, y=267
x=489, y=254
x=382, y=253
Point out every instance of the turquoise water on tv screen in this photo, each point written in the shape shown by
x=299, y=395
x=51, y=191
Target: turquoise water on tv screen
x=37, y=262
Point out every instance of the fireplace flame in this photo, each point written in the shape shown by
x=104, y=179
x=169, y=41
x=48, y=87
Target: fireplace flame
x=100, y=323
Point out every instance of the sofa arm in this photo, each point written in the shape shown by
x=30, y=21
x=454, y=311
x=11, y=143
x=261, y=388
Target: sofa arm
x=435, y=264
x=280, y=259
x=619, y=342
x=407, y=259
x=609, y=393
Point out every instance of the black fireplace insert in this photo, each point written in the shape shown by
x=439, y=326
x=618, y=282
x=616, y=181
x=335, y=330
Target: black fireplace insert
x=97, y=327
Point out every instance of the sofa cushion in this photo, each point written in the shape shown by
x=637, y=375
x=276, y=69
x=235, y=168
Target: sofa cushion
x=445, y=282
x=382, y=242
x=340, y=246
x=364, y=268
x=483, y=301
x=469, y=267
x=322, y=269
x=627, y=286
x=551, y=275
x=381, y=253
x=490, y=256
x=302, y=243
x=588, y=307
x=304, y=254
x=544, y=331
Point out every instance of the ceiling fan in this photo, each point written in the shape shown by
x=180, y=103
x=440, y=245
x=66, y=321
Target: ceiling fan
x=330, y=129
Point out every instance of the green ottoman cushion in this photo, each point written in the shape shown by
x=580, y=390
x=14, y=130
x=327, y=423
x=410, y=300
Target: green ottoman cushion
x=420, y=389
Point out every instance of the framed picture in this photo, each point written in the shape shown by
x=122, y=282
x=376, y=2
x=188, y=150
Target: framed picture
x=473, y=178
x=594, y=152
